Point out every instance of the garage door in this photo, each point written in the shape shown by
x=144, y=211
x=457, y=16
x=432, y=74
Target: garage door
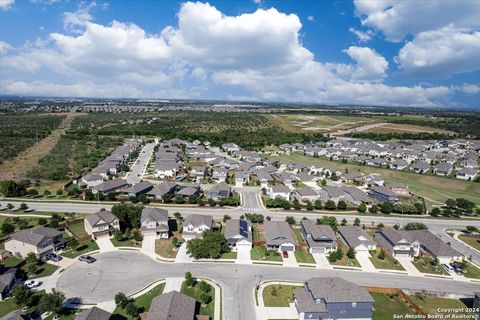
x=244, y=245
x=287, y=248
x=318, y=250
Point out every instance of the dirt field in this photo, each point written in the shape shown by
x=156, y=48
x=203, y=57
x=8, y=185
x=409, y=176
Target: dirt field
x=395, y=127
x=17, y=167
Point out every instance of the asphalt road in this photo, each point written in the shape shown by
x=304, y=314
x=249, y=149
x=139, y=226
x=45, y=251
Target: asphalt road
x=130, y=271
x=140, y=165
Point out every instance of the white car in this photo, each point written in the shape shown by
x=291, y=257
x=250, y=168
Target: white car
x=32, y=283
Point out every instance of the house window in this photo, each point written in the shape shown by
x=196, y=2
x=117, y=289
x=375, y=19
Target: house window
x=354, y=304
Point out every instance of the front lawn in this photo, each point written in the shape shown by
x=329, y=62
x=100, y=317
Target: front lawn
x=82, y=248
x=471, y=271
x=426, y=265
x=262, y=254
x=165, y=249
x=472, y=240
x=43, y=270
x=78, y=229
x=386, y=307
x=430, y=304
x=7, y=306
x=12, y=262
x=194, y=292
x=304, y=256
x=298, y=235
x=388, y=262
x=143, y=302
x=126, y=243
x=229, y=255
x=278, y=295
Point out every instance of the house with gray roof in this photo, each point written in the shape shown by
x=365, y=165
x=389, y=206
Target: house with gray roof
x=7, y=281
x=155, y=221
x=320, y=238
x=16, y=315
x=279, y=236
x=415, y=243
x=305, y=194
x=101, y=223
x=188, y=191
x=92, y=179
x=195, y=224
x=399, y=164
x=356, y=196
x=219, y=174
x=357, y=238
x=332, y=298
x=219, y=191
x=279, y=191
x=467, y=174
x=443, y=169
x=238, y=233
x=137, y=189
x=162, y=189
x=382, y=193
x=94, y=313
x=39, y=240
x=110, y=186
x=171, y=306
x=420, y=167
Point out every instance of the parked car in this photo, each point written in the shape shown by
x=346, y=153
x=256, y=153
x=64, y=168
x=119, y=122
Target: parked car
x=53, y=256
x=32, y=283
x=448, y=267
x=285, y=254
x=87, y=259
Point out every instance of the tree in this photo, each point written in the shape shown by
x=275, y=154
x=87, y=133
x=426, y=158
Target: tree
x=381, y=255
x=310, y=206
x=32, y=192
x=342, y=205
x=351, y=253
x=42, y=221
x=22, y=295
x=465, y=205
x=386, y=207
x=331, y=221
x=396, y=227
x=178, y=216
x=204, y=298
x=59, y=192
x=189, y=281
x=7, y=228
x=112, y=196
x=175, y=241
x=296, y=204
x=344, y=222
x=128, y=215
x=330, y=205
x=72, y=243
x=290, y=219
x=226, y=217
x=23, y=206
x=46, y=193
x=205, y=287
x=362, y=208
x=415, y=226
x=471, y=229
x=317, y=204
x=435, y=212
x=452, y=203
x=121, y=300
x=31, y=258
x=55, y=219
x=212, y=245
x=274, y=291
x=11, y=189
x=88, y=195
x=132, y=310
x=356, y=222
x=10, y=206
x=52, y=302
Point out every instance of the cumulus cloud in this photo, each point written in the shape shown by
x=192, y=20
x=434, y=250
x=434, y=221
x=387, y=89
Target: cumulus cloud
x=259, y=54
x=6, y=4
x=361, y=35
x=311, y=18
x=4, y=47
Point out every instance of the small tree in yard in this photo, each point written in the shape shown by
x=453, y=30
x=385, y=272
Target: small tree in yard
x=205, y=287
x=344, y=222
x=23, y=206
x=362, y=208
x=381, y=255
x=330, y=205
x=296, y=204
x=356, y=222
x=72, y=242
x=132, y=310
x=178, y=216
x=46, y=193
x=342, y=205
x=121, y=300
x=175, y=242
x=274, y=291
x=204, y=298
x=52, y=302
x=317, y=204
x=22, y=295
x=290, y=220
x=189, y=281
x=351, y=253
x=59, y=192
x=31, y=258
x=310, y=206
x=226, y=217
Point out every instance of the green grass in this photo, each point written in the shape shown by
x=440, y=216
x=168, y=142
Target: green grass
x=304, y=256
x=229, y=255
x=12, y=262
x=388, y=263
x=298, y=235
x=472, y=240
x=143, y=302
x=43, y=270
x=424, y=264
x=281, y=298
x=194, y=292
x=436, y=188
x=7, y=306
x=126, y=243
x=262, y=254
x=82, y=248
x=70, y=316
x=78, y=229
x=472, y=271
x=386, y=307
x=430, y=304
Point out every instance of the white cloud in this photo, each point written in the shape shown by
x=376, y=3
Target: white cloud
x=311, y=18
x=6, y=4
x=470, y=88
x=4, y=47
x=49, y=2
x=257, y=54
x=441, y=53
x=361, y=35
x=397, y=18
x=370, y=66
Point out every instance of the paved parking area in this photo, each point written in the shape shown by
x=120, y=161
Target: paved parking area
x=363, y=259
x=105, y=244
x=243, y=255
x=322, y=261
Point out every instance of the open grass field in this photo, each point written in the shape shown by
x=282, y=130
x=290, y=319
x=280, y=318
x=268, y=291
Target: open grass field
x=436, y=190
x=386, y=307
x=278, y=295
x=430, y=305
x=397, y=127
x=317, y=123
x=472, y=240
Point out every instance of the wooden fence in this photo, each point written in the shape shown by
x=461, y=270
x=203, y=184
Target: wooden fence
x=406, y=298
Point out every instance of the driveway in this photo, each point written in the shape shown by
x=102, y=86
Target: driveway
x=322, y=261
x=363, y=259
x=173, y=284
x=148, y=245
x=291, y=261
x=182, y=255
x=105, y=244
x=243, y=255
x=409, y=267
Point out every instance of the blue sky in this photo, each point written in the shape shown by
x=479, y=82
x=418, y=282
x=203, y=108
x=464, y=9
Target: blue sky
x=382, y=52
